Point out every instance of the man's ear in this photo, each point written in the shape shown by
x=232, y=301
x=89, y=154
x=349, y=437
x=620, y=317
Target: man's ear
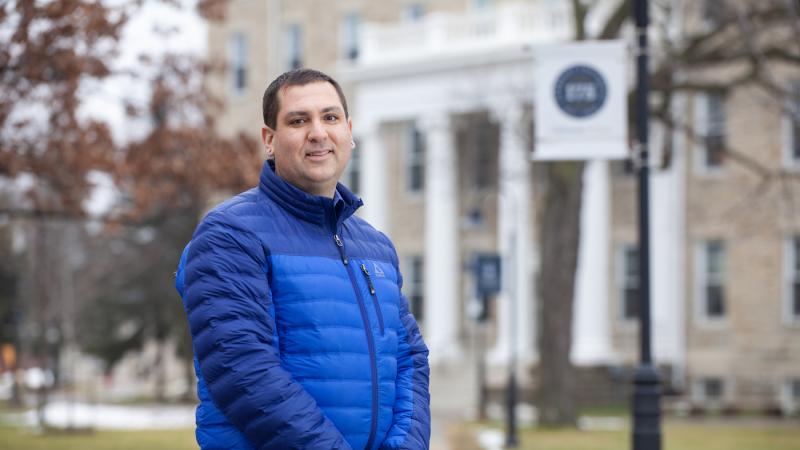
x=267, y=135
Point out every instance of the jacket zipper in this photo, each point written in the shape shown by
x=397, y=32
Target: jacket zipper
x=340, y=246
x=370, y=339
x=374, y=296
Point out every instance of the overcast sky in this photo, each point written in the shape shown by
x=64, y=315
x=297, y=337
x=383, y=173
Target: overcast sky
x=188, y=34
x=105, y=100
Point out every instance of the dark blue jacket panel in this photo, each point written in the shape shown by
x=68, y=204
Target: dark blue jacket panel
x=301, y=334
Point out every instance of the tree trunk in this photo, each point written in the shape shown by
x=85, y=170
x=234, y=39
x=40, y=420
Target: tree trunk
x=559, y=238
x=188, y=372
x=159, y=365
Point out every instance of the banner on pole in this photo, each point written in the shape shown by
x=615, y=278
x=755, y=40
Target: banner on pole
x=580, y=103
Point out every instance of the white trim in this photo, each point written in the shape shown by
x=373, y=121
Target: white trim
x=701, y=319
x=789, y=319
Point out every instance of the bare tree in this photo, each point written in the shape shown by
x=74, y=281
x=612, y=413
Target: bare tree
x=49, y=52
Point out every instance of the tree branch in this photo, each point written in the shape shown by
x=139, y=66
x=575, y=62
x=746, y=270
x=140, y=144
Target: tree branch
x=615, y=21
x=746, y=161
x=579, y=12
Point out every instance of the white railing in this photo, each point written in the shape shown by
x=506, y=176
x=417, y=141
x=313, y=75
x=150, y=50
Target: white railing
x=449, y=34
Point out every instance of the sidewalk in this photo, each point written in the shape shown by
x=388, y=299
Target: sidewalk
x=453, y=399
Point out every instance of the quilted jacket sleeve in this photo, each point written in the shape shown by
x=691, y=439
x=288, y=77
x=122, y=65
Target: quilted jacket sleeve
x=411, y=425
x=233, y=335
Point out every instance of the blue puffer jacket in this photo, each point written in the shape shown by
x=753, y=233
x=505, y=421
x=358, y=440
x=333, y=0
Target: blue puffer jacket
x=302, y=338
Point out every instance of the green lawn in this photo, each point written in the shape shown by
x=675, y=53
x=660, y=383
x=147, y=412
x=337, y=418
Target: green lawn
x=676, y=436
x=13, y=438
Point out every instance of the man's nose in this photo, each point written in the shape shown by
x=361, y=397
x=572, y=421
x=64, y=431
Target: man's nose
x=317, y=132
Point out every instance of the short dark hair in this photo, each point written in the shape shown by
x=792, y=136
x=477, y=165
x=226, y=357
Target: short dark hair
x=298, y=77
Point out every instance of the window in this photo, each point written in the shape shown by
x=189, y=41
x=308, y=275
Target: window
x=710, y=390
x=352, y=174
x=415, y=161
x=628, y=282
x=293, y=39
x=794, y=124
x=714, y=136
x=414, y=12
x=711, y=263
x=414, y=287
x=350, y=31
x=792, y=306
x=237, y=56
x=790, y=396
x=715, y=12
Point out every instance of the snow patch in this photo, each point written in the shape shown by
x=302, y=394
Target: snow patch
x=64, y=414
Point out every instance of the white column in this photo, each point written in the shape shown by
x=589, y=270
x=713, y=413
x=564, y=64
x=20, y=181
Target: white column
x=516, y=303
x=667, y=259
x=441, y=239
x=374, y=177
x=591, y=327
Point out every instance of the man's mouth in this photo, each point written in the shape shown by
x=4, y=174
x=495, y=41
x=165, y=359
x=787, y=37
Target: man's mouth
x=318, y=153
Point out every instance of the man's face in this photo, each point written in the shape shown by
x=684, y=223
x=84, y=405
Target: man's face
x=312, y=138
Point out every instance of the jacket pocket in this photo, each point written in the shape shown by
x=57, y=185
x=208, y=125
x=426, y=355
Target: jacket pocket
x=374, y=295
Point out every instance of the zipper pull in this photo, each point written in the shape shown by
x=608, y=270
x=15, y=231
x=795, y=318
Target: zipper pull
x=340, y=245
x=369, y=280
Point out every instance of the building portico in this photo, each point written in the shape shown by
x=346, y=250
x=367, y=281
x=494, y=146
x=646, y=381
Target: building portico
x=427, y=89
x=430, y=96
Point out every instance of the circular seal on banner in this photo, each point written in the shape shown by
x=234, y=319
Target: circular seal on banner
x=580, y=91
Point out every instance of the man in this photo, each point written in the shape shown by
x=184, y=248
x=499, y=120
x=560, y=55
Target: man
x=302, y=338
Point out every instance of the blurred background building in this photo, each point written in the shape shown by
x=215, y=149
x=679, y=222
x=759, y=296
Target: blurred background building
x=441, y=96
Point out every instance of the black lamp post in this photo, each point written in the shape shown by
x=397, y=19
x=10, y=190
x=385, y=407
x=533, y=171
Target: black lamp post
x=647, y=388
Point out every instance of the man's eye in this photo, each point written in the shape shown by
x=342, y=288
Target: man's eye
x=298, y=121
x=331, y=117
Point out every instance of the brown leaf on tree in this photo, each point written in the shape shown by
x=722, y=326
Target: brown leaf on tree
x=53, y=50
x=183, y=160
x=213, y=10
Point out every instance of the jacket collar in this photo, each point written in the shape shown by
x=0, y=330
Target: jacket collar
x=311, y=208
